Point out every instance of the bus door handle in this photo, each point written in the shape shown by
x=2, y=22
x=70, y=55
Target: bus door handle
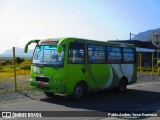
x=83, y=70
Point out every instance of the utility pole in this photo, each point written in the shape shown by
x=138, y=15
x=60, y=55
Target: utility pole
x=130, y=35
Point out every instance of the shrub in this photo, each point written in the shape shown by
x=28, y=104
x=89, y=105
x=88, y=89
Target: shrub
x=26, y=67
x=26, y=64
x=4, y=63
x=19, y=60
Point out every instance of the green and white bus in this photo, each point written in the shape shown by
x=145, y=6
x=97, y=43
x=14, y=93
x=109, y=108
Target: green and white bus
x=75, y=66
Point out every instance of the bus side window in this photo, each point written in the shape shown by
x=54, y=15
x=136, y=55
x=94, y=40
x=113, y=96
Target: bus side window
x=128, y=55
x=96, y=54
x=76, y=53
x=114, y=54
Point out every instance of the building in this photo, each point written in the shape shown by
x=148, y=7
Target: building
x=146, y=48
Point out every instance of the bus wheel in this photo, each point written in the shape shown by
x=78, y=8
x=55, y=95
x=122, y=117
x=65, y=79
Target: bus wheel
x=79, y=91
x=122, y=86
x=50, y=95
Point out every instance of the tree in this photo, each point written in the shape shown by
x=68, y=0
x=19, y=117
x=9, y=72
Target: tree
x=19, y=60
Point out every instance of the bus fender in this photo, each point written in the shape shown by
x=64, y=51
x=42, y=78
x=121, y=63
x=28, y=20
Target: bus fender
x=71, y=87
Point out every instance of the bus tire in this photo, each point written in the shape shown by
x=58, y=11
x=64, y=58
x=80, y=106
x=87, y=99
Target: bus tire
x=122, y=87
x=50, y=95
x=79, y=91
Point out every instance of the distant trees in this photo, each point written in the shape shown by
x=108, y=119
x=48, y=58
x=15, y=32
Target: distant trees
x=9, y=61
x=19, y=60
x=4, y=63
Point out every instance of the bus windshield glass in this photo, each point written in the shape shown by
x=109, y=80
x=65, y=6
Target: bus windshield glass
x=47, y=55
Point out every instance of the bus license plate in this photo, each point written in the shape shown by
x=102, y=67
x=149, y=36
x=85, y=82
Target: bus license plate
x=41, y=84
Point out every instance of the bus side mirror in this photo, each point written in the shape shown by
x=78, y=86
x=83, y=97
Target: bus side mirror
x=60, y=45
x=59, y=49
x=63, y=42
x=26, y=46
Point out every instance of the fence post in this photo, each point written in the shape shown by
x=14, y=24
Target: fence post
x=140, y=62
x=14, y=63
x=152, y=62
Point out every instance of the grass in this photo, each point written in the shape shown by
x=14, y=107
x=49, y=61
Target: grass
x=7, y=76
x=23, y=68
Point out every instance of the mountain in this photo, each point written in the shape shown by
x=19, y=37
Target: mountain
x=145, y=36
x=19, y=51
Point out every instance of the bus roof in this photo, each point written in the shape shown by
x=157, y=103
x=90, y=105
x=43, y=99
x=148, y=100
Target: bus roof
x=96, y=42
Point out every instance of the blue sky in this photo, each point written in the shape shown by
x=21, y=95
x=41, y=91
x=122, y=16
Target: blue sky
x=22, y=20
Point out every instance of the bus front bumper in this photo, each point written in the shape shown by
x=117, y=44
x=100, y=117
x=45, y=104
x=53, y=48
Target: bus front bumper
x=48, y=87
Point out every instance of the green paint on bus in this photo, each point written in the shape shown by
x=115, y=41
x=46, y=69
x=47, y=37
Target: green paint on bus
x=75, y=66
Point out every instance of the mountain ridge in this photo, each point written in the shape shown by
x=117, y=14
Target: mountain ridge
x=144, y=36
x=18, y=50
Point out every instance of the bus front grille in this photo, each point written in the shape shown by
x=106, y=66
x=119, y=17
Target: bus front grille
x=42, y=79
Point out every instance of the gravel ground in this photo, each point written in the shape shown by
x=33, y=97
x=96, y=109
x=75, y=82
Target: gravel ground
x=24, y=92
x=145, y=78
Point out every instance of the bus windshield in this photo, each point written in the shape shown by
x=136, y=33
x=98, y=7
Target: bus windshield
x=47, y=55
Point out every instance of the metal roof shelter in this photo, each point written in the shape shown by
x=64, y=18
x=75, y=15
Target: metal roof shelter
x=137, y=43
